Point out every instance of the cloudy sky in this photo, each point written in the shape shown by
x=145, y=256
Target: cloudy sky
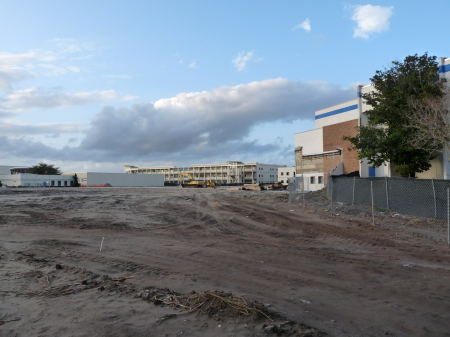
x=93, y=85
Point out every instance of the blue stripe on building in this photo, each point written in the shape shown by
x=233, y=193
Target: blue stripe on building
x=444, y=68
x=338, y=111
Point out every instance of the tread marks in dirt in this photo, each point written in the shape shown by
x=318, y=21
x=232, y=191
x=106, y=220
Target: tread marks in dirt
x=109, y=265
x=47, y=282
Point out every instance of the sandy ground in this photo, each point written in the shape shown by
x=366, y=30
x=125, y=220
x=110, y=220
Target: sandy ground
x=299, y=267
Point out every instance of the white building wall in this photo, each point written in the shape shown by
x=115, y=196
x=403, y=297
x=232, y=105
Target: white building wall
x=227, y=173
x=4, y=169
x=311, y=141
x=266, y=174
x=313, y=181
x=444, y=67
x=363, y=105
x=119, y=179
x=338, y=113
x=284, y=173
x=35, y=180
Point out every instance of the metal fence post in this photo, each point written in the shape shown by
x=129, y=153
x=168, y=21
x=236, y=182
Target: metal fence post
x=373, y=212
x=331, y=187
x=434, y=196
x=387, y=193
x=303, y=190
x=353, y=197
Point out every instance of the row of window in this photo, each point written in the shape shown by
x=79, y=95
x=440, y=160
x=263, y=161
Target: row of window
x=287, y=173
x=270, y=169
x=44, y=183
x=312, y=180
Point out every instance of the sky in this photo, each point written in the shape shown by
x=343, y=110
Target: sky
x=95, y=85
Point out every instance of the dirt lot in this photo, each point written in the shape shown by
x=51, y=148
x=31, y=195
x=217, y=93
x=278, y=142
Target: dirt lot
x=203, y=262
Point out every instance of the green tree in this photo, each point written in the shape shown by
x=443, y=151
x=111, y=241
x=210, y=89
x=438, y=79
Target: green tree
x=43, y=168
x=388, y=134
x=75, y=181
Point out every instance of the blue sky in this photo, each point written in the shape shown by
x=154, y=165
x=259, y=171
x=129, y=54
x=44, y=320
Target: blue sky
x=94, y=85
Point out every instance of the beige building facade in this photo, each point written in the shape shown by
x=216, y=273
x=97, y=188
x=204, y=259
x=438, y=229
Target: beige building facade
x=231, y=172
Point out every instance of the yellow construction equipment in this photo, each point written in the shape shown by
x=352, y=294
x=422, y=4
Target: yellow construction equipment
x=278, y=186
x=210, y=184
x=191, y=182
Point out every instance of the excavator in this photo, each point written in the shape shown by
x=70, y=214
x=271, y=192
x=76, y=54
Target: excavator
x=191, y=183
x=195, y=183
x=210, y=184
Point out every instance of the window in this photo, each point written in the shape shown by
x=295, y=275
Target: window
x=282, y=173
x=312, y=180
x=320, y=180
x=282, y=181
x=294, y=174
x=287, y=173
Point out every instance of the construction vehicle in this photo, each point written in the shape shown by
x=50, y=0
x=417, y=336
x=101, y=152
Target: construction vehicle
x=278, y=186
x=210, y=184
x=191, y=183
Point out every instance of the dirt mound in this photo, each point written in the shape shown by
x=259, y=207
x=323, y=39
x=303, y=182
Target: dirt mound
x=226, y=307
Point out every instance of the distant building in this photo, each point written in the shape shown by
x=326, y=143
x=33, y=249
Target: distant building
x=35, y=180
x=118, y=179
x=284, y=173
x=231, y=172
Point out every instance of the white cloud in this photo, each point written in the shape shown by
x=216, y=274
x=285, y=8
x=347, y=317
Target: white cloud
x=31, y=56
x=122, y=77
x=193, y=65
x=40, y=129
x=37, y=63
x=371, y=19
x=69, y=46
x=209, y=126
x=306, y=25
x=18, y=67
x=35, y=98
x=240, y=62
x=57, y=71
x=207, y=121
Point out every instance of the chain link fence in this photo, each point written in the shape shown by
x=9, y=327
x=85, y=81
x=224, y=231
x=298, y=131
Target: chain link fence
x=418, y=206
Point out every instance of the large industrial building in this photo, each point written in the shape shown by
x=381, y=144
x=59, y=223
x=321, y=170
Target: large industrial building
x=17, y=176
x=35, y=180
x=117, y=179
x=231, y=172
x=322, y=151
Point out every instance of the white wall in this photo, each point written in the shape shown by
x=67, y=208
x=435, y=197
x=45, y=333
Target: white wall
x=5, y=169
x=444, y=67
x=309, y=185
x=266, y=174
x=284, y=173
x=119, y=179
x=311, y=141
x=338, y=117
x=34, y=180
x=364, y=106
